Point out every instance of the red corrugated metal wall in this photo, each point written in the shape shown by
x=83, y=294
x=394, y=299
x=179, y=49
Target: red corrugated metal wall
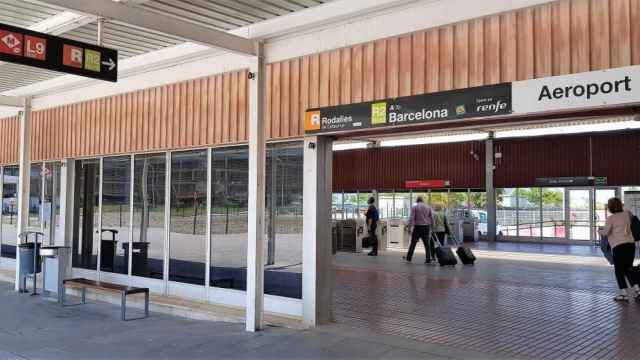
x=388, y=168
x=614, y=155
x=617, y=157
x=525, y=159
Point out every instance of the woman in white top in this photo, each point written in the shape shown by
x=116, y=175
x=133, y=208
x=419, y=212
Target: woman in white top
x=618, y=230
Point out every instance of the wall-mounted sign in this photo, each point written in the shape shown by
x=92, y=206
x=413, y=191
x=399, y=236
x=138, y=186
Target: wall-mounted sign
x=475, y=102
x=571, y=181
x=426, y=184
x=49, y=52
x=577, y=91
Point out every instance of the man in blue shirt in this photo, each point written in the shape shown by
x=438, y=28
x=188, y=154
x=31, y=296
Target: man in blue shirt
x=372, y=218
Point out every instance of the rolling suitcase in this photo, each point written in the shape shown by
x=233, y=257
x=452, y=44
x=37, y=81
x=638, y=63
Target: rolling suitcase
x=444, y=254
x=464, y=253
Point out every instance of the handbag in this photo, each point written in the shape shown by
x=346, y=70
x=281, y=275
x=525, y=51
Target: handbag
x=366, y=242
x=635, y=227
x=606, y=248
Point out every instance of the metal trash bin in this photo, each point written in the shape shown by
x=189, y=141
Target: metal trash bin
x=140, y=258
x=29, y=258
x=25, y=252
x=108, y=250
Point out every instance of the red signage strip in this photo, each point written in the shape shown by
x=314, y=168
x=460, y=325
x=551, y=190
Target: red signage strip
x=426, y=184
x=26, y=47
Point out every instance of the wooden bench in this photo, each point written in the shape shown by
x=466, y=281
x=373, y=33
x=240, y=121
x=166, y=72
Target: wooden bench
x=84, y=284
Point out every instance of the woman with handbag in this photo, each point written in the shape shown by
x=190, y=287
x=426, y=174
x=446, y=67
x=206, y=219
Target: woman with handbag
x=618, y=231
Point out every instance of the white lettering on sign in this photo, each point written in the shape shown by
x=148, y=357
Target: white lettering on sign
x=425, y=114
x=577, y=91
x=76, y=55
x=492, y=108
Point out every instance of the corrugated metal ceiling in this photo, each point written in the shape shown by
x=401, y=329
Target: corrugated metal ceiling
x=131, y=40
x=25, y=13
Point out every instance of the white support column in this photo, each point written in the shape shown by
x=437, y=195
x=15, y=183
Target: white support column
x=317, y=257
x=207, y=273
x=257, y=155
x=24, y=178
x=491, y=191
x=67, y=201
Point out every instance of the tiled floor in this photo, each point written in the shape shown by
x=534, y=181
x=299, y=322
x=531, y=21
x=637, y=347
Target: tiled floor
x=538, y=248
x=32, y=327
x=507, y=307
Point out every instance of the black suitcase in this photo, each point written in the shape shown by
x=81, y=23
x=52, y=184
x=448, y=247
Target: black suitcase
x=444, y=254
x=466, y=255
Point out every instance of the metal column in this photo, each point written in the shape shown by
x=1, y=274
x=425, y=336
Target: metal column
x=491, y=191
x=257, y=157
x=24, y=178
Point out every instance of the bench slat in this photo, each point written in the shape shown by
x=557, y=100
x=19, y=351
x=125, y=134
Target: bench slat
x=101, y=285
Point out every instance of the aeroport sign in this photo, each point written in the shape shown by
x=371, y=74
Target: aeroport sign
x=26, y=47
x=577, y=91
x=582, y=91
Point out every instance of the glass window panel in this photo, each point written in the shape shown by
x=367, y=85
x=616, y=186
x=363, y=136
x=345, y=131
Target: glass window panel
x=336, y=206
x=580, y=228
x=553, y=222
x=350, y=205
x=148, y=216
x=478, y=204
x=363, y=206
x=229, y=221
x=9, y=211
x=458, y=200
x=116, y=194
x=86, y=214
x=385, y=205
x=439, y=198
x=506, y=214
x=188, y=234
x=51, y=205
x=402, y=205
x=35, y=195
x=528, y=212
x=283, y=251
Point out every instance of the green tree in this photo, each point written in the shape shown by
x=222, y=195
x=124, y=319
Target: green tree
x=550, y=197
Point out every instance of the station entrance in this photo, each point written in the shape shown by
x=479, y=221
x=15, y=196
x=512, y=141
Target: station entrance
x=537, y=287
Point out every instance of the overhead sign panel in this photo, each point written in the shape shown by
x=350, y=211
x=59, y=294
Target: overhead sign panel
x=578, y=91
x=426, y=184
x=49, y=52
x=485, y=101
x=571, y=181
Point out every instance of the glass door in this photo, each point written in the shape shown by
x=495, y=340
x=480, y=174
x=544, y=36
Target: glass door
x=602, y=195
x=580, y=210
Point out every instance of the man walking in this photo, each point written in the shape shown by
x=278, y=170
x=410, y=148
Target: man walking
x=372, y=218
x=420, y=220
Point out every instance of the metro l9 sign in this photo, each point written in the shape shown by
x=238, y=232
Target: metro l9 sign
x=26, y=47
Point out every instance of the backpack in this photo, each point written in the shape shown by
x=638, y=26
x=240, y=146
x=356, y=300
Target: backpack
x=635, y=227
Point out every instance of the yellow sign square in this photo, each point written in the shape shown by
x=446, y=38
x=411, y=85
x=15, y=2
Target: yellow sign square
x=379, y=113
x=92, y=60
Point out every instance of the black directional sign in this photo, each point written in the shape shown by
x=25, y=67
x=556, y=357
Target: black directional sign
x=32, y=48
x=477, y=102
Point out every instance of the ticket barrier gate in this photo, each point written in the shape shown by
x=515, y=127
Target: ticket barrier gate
x=398, y=235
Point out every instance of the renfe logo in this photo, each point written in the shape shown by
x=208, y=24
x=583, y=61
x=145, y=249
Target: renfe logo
x=589, y=90
x=494, y=107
